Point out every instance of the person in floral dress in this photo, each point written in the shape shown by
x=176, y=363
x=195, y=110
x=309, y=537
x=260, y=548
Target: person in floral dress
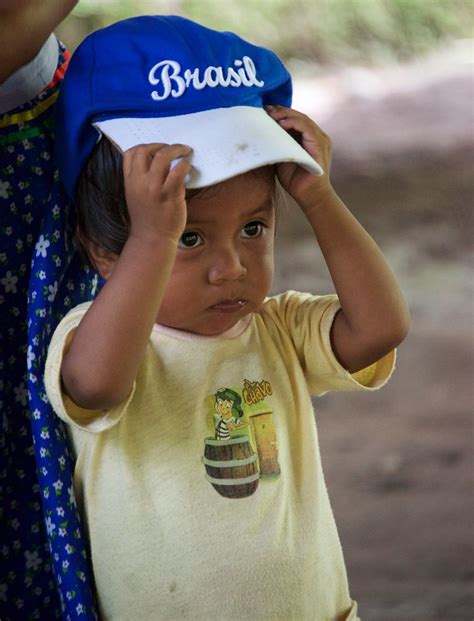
x=44, y=571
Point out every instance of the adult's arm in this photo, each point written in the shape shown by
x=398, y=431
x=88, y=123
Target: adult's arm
x=24, y=27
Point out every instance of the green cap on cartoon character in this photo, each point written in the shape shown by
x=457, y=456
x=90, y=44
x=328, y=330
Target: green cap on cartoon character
x=226, y=399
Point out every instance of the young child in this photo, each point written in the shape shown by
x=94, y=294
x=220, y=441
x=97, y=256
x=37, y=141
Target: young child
x=189, y=517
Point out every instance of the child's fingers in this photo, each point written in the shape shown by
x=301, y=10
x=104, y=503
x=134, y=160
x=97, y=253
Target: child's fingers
x=163, y=157
x=280, y=112
x=307, y=132
x=299, y=121
x=176, y=177
x=138, y=158
x=154, y=157
x=286, y=115
x=303, y=129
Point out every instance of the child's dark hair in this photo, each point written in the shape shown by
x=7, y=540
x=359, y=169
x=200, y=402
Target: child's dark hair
x=102, y=214
x=101, y=208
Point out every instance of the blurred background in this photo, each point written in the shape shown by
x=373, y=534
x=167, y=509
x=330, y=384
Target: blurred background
x=391, y=81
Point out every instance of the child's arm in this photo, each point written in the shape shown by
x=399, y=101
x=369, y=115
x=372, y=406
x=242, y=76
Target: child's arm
x=24, y=27
x=374, y=316
x=102, y=362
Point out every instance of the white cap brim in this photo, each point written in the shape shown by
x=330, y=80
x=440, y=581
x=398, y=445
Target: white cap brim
x=226, y=141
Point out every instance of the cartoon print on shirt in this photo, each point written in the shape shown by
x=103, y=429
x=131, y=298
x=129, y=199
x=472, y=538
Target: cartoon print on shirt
x=227, y=406
x=243, y=449
x=263, y=428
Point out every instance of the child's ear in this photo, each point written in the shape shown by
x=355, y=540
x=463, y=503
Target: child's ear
x=103, y=260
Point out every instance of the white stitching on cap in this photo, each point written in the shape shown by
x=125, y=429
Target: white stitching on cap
x=175, y=85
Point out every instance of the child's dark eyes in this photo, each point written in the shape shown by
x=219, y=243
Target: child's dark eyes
x=190, y=239
x=252, y=229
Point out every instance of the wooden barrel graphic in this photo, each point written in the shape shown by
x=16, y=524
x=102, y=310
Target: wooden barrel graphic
x=231, y=466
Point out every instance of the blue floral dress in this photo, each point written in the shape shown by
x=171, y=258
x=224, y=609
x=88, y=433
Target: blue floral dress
x=44, y=571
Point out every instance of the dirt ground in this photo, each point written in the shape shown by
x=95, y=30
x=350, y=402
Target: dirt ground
x=399, y=463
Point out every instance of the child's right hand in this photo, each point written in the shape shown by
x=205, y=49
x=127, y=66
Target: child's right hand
x=155, y=191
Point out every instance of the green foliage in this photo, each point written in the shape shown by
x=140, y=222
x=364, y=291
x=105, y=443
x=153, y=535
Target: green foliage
x=330, y=32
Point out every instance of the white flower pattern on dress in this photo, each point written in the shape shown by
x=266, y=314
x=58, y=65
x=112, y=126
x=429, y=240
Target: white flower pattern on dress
x=9, y=281
x=41, y=246
x=36, y=264
x=33, y=560
x=4, y=187
x=30, y=356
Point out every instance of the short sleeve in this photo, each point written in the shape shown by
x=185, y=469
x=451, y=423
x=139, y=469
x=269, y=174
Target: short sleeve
x=308, y=320
x=28, y=81
x=94, y=421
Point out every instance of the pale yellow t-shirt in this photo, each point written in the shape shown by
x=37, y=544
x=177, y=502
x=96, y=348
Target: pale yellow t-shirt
x=204, y=495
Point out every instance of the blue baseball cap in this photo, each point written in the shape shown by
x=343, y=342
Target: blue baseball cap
x=168, y=79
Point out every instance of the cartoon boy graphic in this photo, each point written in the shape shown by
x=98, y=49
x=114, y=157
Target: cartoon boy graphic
x=229, y=412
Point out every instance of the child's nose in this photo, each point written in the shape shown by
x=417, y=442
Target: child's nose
x=226, y=266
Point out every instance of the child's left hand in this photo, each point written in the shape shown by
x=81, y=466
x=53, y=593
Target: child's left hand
x=305, y=187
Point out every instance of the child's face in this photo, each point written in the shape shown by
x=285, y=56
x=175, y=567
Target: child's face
x=224, y=264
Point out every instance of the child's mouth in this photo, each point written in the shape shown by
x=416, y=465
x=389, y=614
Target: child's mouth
x=229, y=306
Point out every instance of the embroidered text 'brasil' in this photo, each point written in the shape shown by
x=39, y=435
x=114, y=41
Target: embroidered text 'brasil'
x=169, y=72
